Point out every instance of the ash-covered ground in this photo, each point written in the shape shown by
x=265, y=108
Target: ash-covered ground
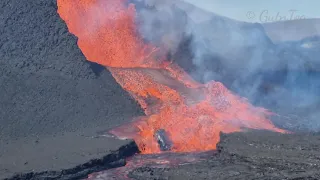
x=250, y=155
x=53, y=102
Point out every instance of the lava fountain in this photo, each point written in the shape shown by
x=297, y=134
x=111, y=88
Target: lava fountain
x=189, y=114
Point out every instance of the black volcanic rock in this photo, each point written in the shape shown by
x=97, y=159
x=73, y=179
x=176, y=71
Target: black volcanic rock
x=51, y=95
x=45, y=78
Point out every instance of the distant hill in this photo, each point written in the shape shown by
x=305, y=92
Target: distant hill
x=293, y=30
x=204, y=42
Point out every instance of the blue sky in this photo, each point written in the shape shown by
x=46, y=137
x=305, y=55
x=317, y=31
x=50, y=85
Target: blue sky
x=262, y=10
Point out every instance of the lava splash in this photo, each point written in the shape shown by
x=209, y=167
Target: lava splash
x=190, y=113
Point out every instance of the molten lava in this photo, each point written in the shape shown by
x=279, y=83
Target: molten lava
x=191, y=113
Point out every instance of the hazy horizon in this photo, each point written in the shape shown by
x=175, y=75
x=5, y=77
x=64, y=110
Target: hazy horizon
x=261, y=11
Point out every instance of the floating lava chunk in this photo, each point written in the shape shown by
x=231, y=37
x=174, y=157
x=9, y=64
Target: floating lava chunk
x=190, y=114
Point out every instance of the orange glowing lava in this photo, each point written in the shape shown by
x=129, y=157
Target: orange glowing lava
x=193, y=114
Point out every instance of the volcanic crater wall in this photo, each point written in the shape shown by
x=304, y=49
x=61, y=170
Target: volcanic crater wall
x=47, y=86
x=52, y=101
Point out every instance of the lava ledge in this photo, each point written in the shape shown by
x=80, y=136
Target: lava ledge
x=113, y=160
x=251, y=155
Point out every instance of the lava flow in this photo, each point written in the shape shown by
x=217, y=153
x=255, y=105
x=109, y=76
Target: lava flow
x=190, y=113
x=163, y=160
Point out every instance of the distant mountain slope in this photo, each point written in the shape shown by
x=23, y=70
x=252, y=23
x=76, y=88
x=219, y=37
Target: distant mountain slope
x=234, y=46
x=294, y=30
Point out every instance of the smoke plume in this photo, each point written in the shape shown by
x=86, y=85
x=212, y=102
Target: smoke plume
x=282, y=76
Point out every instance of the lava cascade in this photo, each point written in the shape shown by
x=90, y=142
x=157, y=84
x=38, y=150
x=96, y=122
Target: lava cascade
x=192, y=114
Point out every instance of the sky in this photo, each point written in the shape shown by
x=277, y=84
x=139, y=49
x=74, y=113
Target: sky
x=262, y=11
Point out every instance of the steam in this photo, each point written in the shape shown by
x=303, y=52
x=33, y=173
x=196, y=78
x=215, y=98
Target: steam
x=283, y=77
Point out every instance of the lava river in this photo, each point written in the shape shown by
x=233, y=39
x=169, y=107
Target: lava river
x=192, y=114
